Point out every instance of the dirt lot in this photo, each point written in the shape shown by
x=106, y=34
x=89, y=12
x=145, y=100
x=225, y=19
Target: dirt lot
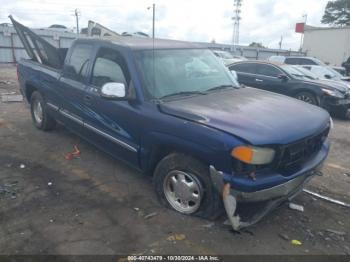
x=97, y=205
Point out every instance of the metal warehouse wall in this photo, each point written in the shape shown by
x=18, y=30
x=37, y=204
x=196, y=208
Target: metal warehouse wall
x=331, y=45
x=11, y=48
x=253, y=52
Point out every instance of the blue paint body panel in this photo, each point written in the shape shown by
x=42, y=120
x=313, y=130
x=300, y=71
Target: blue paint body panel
x=206, y=127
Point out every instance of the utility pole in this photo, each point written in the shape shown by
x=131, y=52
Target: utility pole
x=280, y=43
x=76, y=13
x=236, y=18
x=302, y=35
x=153, y=17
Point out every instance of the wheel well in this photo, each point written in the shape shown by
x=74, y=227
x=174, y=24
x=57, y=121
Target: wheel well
x=310, y=92
x=161, y=151
x=157, y=154
x=29, y=91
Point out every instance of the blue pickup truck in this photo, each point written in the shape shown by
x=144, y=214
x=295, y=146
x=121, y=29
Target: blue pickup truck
x=172, y=110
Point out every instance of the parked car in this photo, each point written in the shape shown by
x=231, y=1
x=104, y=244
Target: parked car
x=227, y=57
x=286, y=80
x=154, y=106
x=323, y=72
x=305, y=60
x=346, y=65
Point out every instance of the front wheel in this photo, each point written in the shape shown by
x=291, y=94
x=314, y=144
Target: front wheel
x=41, y=119
x=307, y=98
x=183, y=183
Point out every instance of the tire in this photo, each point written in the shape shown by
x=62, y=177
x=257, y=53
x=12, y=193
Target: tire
x=192, y=180
x=41, y=119
x=307, y=97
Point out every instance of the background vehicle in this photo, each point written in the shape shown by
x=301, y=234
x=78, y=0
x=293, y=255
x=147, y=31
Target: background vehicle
x=346, y=65
x=153, y=104
x=284, y=79
x=304, y=60
x=313, y=76
x=227, y=57
x=323, y=72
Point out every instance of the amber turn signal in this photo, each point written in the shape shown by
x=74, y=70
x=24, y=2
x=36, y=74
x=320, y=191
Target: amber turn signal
x=253, y=155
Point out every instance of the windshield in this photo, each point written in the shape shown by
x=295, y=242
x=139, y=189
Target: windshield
x=326, y=72
x=295, y=72
x=182, y=71
x=306, y=72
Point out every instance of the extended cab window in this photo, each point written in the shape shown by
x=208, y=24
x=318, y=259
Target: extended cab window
x=78, y=63
x=109, y=67
x=244, y=68
x=267, y=70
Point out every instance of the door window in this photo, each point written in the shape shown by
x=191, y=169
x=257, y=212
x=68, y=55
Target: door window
x=267, y=70
x=244, y=68
x=78, y=62
x=292, y=61
x=305, y=61
x=109, y=67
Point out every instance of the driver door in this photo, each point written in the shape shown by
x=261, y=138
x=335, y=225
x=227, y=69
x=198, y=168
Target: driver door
x=267, y=78
x=111, y=124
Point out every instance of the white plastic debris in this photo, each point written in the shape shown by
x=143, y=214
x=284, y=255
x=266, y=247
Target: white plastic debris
x=11, y=98
x=296, y=207
x=329, y=199
x=49, y=184
x=22, y=166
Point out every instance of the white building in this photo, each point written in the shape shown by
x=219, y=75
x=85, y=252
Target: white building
x=329, y=44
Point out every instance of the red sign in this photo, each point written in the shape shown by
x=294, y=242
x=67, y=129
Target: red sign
x=299, y=27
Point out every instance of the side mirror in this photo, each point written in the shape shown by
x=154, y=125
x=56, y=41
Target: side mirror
x=284, y=78
x=234, y=74
x=328, y=76
x=113, y=90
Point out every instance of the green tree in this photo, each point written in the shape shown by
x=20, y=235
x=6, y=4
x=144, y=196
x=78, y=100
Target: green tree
x=337, y=13
x=256, y=44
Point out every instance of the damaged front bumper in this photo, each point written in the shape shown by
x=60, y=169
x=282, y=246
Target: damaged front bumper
x=271, y=197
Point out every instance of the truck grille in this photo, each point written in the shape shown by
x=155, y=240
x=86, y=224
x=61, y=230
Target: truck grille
x=297, y=153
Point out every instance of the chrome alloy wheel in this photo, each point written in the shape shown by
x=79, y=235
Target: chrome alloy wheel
x=183, y=191
x=306, y=99
x=38, y=111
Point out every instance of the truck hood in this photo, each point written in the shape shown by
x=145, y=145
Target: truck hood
x=256, y=116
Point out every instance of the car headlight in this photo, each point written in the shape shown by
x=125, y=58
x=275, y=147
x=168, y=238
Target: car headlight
x=331, y=124
x=334, y=93
x=253, y=155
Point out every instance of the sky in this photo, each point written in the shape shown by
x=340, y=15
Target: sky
x=263, y=21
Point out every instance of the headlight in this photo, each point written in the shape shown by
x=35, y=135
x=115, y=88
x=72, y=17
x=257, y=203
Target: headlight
x=331, y=124
x=253, y=155
x=334, y=93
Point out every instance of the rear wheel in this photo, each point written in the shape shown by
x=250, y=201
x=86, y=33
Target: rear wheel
x=183, y=183
x=307, y=98
x=41, y=119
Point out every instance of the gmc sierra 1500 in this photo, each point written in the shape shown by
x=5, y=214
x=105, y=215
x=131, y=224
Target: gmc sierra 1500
x=172, y=109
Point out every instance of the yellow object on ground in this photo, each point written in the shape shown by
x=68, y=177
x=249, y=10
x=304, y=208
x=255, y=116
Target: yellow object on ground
x=296, y=242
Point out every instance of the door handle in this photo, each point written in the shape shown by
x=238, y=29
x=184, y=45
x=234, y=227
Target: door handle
x=87, y=99
x=258, y=80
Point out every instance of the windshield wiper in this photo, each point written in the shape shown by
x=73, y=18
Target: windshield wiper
x=184, y=93
x=220, y=87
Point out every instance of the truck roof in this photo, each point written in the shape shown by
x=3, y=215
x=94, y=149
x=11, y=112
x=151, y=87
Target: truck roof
x=143, y=43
